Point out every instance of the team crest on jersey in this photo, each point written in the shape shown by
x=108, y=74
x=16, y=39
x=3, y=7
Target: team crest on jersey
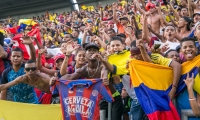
x=70, y=91
x=94, y=92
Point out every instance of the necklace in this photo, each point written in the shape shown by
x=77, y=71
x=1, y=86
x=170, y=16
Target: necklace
x=91, y=76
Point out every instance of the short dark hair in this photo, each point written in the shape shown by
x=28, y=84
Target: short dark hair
x=17, y=49
x=111, y=29
x=71, y=36
x=187, y=39
x=166, y=54
x=116, y=38
x=29, y=61
x=168, y=26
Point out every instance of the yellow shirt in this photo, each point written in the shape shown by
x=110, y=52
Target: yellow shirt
x=159, y=59
x=119, y=62
x=196, y=86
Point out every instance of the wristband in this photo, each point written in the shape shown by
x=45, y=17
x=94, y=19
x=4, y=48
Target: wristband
x=192, y=99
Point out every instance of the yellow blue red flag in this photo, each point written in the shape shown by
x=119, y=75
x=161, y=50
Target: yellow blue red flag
x=152, y=84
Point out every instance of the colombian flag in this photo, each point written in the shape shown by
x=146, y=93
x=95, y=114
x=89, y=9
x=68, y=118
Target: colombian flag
x=152, y=84
x=25, y=22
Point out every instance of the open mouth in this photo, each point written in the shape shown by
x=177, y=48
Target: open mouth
x=188, y=54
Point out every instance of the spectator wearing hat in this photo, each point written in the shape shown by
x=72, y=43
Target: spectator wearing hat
x=184, y=25
x=122, y=22
x=196, y=17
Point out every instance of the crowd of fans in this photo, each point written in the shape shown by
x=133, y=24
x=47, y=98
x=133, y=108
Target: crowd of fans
x=77, y=44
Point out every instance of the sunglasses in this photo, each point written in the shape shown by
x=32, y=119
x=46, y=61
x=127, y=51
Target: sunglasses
x=32, y=69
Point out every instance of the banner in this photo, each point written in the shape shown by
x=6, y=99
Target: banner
x=22, y=111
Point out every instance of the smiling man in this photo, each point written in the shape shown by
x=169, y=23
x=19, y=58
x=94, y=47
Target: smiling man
x=189, y=51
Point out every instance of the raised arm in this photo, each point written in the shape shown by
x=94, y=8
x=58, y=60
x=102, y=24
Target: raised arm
x=176, y=77
x=193, y=102
x=74, y=76
x=28, y=40
x=190, y=10
x=50, y=72
x=145, y=29
x=114, y=7
x=145, y=56
x=69, y=50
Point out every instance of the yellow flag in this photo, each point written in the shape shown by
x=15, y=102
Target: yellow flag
x=23, y=111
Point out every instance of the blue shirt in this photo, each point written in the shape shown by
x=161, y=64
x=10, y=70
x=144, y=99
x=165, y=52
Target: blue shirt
x=21, y=92
x=184, y=103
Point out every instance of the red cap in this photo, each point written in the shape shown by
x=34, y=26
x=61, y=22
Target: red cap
x=59, y=56
x=150, y=5
x=110, y=22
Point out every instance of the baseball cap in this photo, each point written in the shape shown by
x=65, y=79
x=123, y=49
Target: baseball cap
x=196, y=13
x=59, y=56
x=150, y=5
x=123, y=18
x=110, y=22
x=91, y=45
x=188, y=20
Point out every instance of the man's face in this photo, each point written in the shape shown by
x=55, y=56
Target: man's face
x=184, y=12
x=196, y=18
x=111, y=33
x=109, y=26
x=123, y=22
x=189, y=50
x=182, y=23
x=53, y=25
x=169, y=33
x=66, y=37
x=75, y=34
x=174, y=56
x=90, y=52
x=58, y=63
x=30, y=69
x=116, y=46
x=16, y=58
x=137, y=57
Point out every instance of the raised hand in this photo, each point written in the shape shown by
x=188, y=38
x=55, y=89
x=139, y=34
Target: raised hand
x=114, y=5
x=139, y=43
x=27, y=40
x=69, y=50
x=128, y=30
x=124, y=93
x=165, y=48
x=53, y=79
x=42, y=51
x=189, y=81
x=98, y=56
